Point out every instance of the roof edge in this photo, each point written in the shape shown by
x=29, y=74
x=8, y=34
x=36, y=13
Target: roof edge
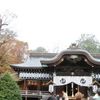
x=73, y=52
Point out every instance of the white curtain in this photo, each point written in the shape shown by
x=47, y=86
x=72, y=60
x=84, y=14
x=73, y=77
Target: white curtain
x=80, y=80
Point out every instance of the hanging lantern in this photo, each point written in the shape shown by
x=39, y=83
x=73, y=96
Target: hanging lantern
x=29, y=82
x=43, y=83
x=51, y=88
x=35, y=83
x=94, y=87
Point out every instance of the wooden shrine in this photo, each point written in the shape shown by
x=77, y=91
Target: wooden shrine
x=71, y=70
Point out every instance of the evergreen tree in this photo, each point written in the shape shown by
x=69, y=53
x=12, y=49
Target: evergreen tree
x=9, y=89
x=89, y=42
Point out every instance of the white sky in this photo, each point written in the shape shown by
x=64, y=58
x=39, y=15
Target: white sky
x=53, y=23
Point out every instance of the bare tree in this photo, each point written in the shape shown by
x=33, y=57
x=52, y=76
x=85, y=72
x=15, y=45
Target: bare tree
x=11, y=49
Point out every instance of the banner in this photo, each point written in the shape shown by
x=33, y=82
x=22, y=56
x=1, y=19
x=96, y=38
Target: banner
x=79, y=80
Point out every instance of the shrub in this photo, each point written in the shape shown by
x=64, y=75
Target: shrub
x=9, y=89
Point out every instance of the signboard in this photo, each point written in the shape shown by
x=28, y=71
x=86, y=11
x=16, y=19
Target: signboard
x=79, y=80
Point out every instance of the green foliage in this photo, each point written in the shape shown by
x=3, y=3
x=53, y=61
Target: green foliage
x=9, y=89
x=89, y=42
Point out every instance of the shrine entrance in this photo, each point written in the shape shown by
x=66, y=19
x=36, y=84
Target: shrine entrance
x=71, y=89
x=72, y=84
x=67, y=88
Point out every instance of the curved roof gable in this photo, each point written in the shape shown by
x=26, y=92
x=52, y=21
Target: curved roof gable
x=72, y=52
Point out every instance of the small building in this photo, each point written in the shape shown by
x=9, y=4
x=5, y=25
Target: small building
x=71, y=71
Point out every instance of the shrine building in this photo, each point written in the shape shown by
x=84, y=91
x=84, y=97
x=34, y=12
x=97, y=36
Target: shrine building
x=71, y=70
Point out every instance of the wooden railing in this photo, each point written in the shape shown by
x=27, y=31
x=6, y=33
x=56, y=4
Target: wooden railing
x=34, y=92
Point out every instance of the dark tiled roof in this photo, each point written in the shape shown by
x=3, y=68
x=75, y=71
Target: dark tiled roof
x=59, y=56
x=35, y=59
x=31, y=62
x=44, y=55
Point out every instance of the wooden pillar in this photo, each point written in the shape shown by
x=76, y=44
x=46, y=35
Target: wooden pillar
x=25, y=87
x=38, y=87
x=66, y=89
x=78, y=88
x=72, y=86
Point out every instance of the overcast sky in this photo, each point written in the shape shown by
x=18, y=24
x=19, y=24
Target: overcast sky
x=53, y=23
